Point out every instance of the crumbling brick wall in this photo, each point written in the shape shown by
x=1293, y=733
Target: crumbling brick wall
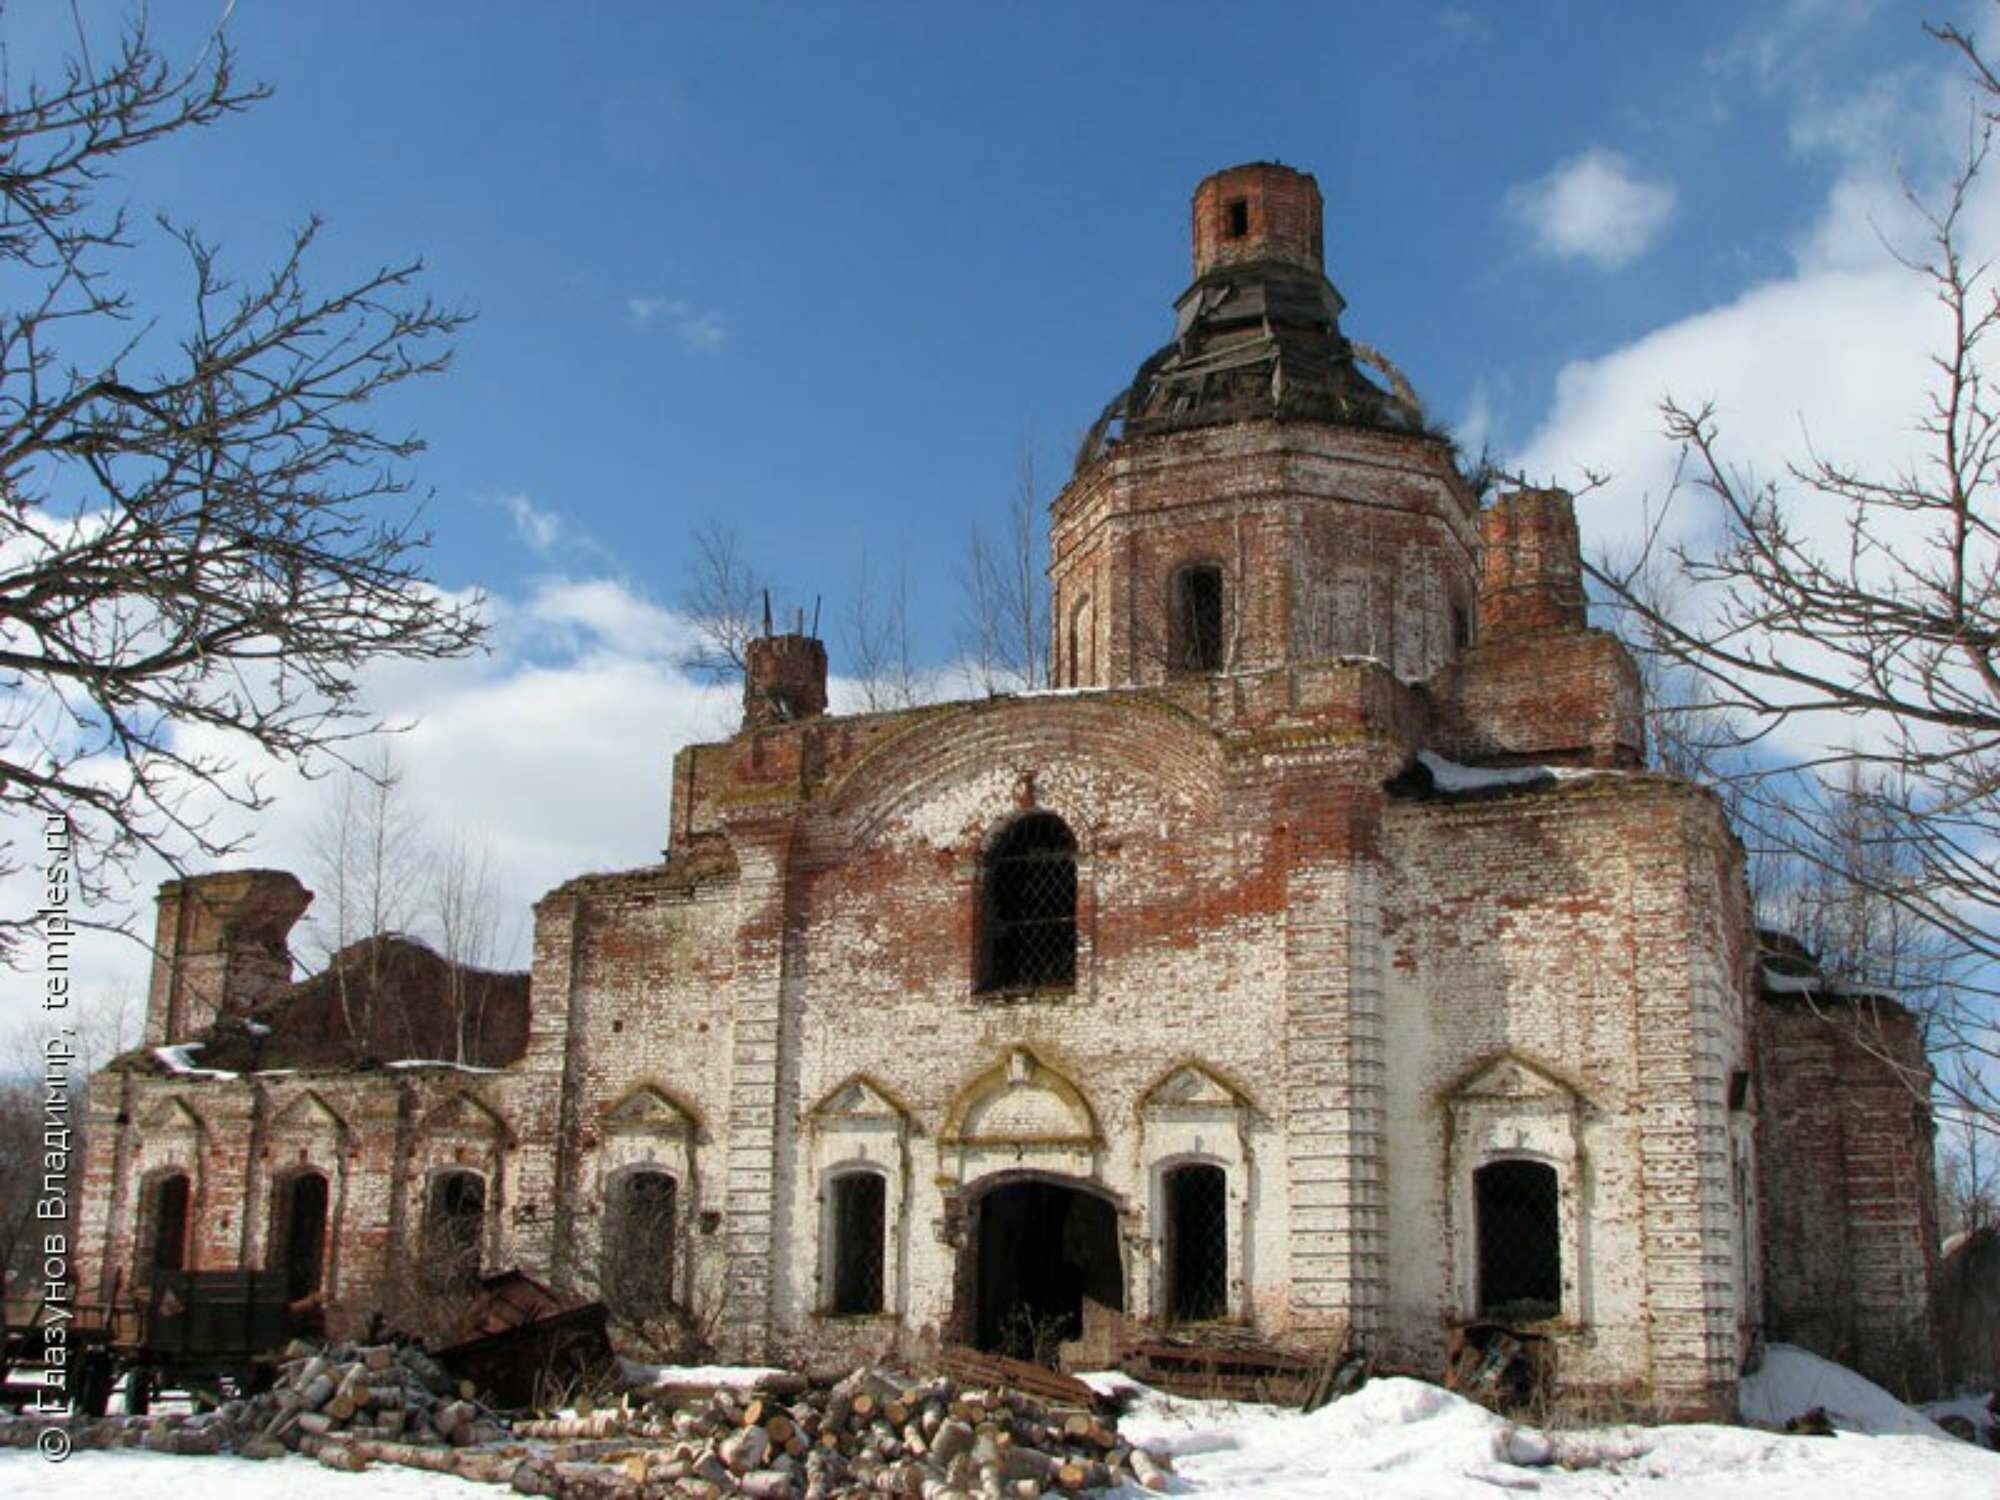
x=1850, y=1217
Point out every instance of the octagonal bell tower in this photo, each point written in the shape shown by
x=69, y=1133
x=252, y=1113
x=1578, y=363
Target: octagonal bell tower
x=1253, y=499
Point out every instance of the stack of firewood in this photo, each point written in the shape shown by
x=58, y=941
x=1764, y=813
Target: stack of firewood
x=331, y=1402
x=871, y=1433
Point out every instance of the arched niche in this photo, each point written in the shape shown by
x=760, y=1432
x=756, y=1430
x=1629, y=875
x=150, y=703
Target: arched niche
x=1509, y=1108
x=859, y=1127
x=1192, y=1117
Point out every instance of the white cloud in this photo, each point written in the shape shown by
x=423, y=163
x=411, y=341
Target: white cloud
x=701, y=329
x=1593, y=207
x=538, y=529
x=1464, y=25
x=1827, y=361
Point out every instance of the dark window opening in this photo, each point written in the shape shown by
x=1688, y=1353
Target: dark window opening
x=1198, y=619
x=1520, y=1245
x=1461, y=627
x=453, y=1227
x=1236, y=218
x=1044, y=1251
x=298, y=1233
x=859, y=1213
x=1029, y=922
x=638, y=1270
x=170, y=1223
x=1197, y=1244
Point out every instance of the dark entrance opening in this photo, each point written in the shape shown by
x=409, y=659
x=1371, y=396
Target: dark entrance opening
x=454, y=1225
x=1520, y=1244
x=170, y=1223
x=1043, y=1248
x=1197, y=1244
x=298, y=1238
x=638, y=1273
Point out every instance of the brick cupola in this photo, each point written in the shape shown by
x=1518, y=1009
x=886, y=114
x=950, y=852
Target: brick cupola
x=1255, y=499
x=1258, y=212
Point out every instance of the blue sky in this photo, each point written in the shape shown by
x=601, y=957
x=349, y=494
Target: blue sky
x=823, y=271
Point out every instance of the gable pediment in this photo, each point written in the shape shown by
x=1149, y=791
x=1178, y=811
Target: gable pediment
x=859, y=1098
x=1510, y=1078
x=466, y=1118
x=1190, y=1087
x=648, y=1111
x=308, y=1113
x=173, y=1116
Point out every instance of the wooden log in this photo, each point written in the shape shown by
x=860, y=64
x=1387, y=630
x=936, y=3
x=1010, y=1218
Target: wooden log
x=1146, y=1468
x=343, y=1456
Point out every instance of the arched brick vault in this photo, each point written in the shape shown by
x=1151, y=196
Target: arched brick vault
x=1135, y=734
x=893, y=848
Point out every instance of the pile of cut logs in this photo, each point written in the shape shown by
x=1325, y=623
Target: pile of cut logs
x=869, y=1434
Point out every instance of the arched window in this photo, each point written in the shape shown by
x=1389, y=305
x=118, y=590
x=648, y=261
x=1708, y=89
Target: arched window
x=857, y=1202
x=1520, y=1241
x=638, y=1271
x=1028, y=926
x=454, y=1223
x=165, y=1240
x=298, y=1232
x=1197, y=619
x=1197, y=1222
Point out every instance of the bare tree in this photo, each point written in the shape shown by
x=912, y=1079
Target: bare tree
x=198, y=523
x=1004, y=632
x=724, y=597
x=875, y=632
x=462, y=914
x=1889, y=631
x=369, y=866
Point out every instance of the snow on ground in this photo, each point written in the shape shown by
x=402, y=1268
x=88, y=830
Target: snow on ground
x=738, y=1377
x=1791, y=1382
x=132, y=1475
x=1393, y=1439
x=1405, y=1440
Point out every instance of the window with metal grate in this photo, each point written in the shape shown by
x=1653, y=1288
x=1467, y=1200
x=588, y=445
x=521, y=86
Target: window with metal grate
x=1197, y=1243
x=1028, y=927
x=859, y=1199
x=1520, y=1242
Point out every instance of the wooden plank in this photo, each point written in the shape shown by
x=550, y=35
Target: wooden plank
x=994, y=1369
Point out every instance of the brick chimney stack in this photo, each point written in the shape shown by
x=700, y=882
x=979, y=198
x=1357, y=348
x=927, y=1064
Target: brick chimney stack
x=1531, y=565
x=219, y=948
x=1258, y=213
x=784, y=679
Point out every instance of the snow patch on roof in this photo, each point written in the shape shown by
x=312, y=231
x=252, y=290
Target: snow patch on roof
x=438, y=1062
x=179, y=1058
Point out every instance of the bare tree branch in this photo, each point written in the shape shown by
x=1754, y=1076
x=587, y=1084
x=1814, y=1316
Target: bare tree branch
x=203, y=539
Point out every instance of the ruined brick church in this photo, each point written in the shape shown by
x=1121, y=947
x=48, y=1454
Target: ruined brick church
x=1317, y=956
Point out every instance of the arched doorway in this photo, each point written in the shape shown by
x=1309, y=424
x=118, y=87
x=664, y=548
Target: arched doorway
x=1039, y=1248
